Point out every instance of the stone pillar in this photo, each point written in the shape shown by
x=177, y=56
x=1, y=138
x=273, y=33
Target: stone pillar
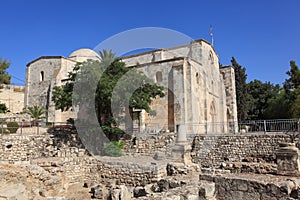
x=181, y=134
x=181, y=150
x=288, y=161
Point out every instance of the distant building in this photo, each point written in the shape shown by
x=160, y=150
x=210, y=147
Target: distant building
x=198, y=91
x=13, y=97
x=45, y=72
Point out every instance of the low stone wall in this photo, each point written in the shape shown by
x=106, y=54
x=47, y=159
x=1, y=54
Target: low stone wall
x=251, y=187
x=149, y=144
x=212, y=150
x=131, y=171
x=16, y=148
x=61, y=154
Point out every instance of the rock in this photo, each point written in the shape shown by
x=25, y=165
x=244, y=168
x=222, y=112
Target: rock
x=174, y=184
x=207, y=190
x=124, y=193
x=139, y=192
x=98, y=192
x=159, y=156
x=148, y=188
x=155, y=188
x=43, y=192
x=13, y=191
x=163, y=185
x=114, y=194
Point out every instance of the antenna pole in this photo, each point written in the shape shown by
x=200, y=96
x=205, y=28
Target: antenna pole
x=211, y=35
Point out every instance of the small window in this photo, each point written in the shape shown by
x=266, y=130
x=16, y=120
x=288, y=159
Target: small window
x=197, y=78
x=158, y=77
x=211, y=57
x=42, y=76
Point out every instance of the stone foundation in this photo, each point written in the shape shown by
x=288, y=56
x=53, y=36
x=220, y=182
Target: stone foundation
x=212, y=151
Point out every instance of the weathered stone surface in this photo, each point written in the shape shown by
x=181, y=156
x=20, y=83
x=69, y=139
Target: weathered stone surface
x=212, y=151
x=207, y=190
x=248, y=187
x=288, y=160
x=139, y=192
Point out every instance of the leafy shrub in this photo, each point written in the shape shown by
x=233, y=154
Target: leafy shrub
x=3, y=108
x=49, y=124
x=12, y=127
x=113, y=133
x=113, y=149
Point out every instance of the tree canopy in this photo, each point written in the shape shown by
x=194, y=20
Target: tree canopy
x=269, y=101
x=4, y=76
x=259, y=95
x=292, y=89
x=126, y=88
x=241, y=90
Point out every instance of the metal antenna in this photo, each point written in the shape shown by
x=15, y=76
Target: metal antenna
x=211, y=35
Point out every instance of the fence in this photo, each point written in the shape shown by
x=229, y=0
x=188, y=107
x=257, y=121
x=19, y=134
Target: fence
x=277, y=125
x=28, y=127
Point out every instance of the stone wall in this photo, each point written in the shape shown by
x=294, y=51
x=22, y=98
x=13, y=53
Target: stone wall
x=13, y=97
x=209, y=150
x=17, y=149
x=148, y=145
x=251, y=187
x=63, y=155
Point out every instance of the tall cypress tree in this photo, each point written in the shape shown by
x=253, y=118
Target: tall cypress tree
x=241, y=90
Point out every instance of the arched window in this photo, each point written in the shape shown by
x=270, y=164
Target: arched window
x=211, y=57
x=158, y=77
x=42, y=76
x=197, y=78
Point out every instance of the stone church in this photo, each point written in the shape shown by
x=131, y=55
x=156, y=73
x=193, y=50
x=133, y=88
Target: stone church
x=198, y=92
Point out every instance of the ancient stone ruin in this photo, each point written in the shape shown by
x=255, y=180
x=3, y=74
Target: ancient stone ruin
x=55, y=165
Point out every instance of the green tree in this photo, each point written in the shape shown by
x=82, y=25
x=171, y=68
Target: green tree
x=114, y=79
x=277, y=107
x=258, y=96
x=295, y=107
x=293, y=81
x=292, y=89
x=241, y=90
x=3, y=108
x=37, y=113
x=4, y=76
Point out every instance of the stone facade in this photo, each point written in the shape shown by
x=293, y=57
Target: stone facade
x=13, y=97
x=45, y=72
x=198, y=90
x=195, y=87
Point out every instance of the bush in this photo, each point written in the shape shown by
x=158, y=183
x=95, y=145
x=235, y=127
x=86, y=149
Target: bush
x=3, y=108
x=113, y=133
x=113, y=149
x=12, y=127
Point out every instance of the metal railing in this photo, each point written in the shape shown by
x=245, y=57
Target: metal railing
x=274, y=125
x=250, y=126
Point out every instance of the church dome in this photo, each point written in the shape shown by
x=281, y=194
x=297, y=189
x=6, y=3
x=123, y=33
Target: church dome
x=84, y=54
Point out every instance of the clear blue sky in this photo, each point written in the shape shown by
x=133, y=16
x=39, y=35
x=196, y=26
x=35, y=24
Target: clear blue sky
x=263, y=35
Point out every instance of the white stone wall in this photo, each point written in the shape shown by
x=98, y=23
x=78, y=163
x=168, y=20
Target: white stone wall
x=202, y=95
x=200, y=90
x=13, y=97
x=39, y=90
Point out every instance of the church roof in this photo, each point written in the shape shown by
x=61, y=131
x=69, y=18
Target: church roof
x=47, y=57
x=84, y=52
